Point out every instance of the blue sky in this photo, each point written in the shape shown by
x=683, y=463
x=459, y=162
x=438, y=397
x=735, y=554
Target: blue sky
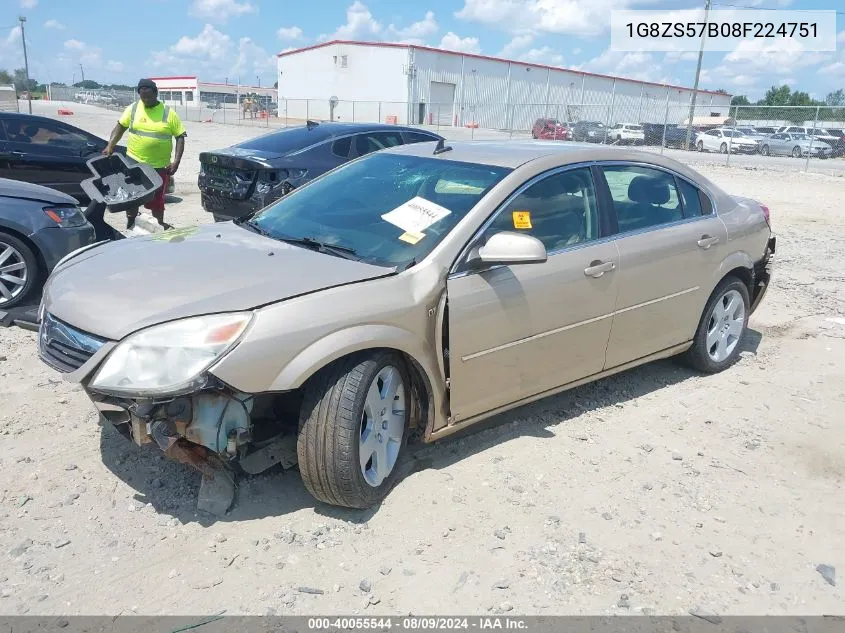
x=225, y=39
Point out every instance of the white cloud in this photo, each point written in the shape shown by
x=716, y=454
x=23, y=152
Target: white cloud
x=29, y=4
x=573, y=17
x=677, y=56
x=630, y=65
x=74, y=45
x=290, y=33
x=115, y=67
x=758, y=57
x=416, y=32
x=360, y=25
x=544, y=55
x=219, y=11
x=576, y=51
x=517, y=44
x=454, y=42
x=841, y=37
x=214, y=55
x=836, y=69
x=54, y=24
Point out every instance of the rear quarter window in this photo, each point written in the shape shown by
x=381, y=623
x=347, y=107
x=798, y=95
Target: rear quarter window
x=341, y=147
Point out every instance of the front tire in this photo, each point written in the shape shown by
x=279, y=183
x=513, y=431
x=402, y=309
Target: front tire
x=764, y=150
x=700, y=146
x=796, y=152
x=18, y=271
x=353, y=429
x=723, y=148
x=721, y=331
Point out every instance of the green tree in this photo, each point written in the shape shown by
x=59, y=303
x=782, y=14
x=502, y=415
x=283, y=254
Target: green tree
x=88, y=84
x=20, y=81
x=776, y=96
x=835, y=98
x=6, y=78
x=740, y=100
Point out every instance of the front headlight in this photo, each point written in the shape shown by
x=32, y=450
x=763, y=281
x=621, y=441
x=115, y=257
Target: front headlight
x=170, y=358
x=66, y=217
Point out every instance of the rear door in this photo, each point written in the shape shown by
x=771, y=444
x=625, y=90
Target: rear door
x=517, y=331
x=49, y=153
x=670, y=242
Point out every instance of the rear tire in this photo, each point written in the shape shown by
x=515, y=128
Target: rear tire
x=19, y=263
x=700, y=146
x=723, y=148
x=356, y=405
x=796, y=152
x=721, y=330
x=764, y=150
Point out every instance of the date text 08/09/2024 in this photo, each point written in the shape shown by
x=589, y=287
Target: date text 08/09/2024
x=765, y=30
x=417, y=623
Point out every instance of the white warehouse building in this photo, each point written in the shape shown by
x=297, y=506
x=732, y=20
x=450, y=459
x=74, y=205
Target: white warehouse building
x=403, y=83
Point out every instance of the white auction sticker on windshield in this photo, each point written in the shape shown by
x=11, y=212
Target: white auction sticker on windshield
x=416, y=215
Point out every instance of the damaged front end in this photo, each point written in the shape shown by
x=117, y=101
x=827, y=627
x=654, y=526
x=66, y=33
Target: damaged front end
x=217, y=431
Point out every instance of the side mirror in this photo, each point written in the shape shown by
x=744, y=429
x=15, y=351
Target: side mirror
x=507, y=248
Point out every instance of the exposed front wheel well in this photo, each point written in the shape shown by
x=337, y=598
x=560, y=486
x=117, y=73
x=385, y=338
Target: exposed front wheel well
x=745, y=275
x=422, y=406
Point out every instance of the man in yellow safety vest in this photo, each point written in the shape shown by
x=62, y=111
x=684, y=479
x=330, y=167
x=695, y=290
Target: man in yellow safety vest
x=152, y=127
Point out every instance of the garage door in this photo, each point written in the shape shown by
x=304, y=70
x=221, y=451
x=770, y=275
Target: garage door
x=442, y=102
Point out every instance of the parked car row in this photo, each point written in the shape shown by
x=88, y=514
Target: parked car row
x=795, y=141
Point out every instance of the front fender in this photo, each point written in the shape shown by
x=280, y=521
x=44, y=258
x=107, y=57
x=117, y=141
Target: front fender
x=355, y=339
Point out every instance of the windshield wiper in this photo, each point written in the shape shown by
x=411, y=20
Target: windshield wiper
x=317, y=245
x=252, y=226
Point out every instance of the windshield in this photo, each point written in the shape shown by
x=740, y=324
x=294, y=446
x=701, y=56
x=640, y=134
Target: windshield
x=733, y=133
x=799, y=137
x=385, y=209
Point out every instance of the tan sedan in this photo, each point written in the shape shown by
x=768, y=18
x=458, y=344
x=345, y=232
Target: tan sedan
x=418, y=289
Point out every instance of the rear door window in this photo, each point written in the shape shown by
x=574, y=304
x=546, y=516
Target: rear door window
x=341, y=147
x=642, y=197
x=375, y=141
x=419, y=137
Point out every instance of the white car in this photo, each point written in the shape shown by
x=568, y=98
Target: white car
x=725, y=140
x=819, y=134
x=626, y=133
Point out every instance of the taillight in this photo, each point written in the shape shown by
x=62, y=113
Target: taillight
x=766, y=214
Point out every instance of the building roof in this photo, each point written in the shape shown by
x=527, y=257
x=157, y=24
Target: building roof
x=211, y=83
x=489, y=58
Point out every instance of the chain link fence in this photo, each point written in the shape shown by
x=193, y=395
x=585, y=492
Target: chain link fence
x=779, y=137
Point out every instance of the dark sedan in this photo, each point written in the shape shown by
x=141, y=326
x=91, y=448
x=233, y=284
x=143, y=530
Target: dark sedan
x=38, y=227
x=246, y=177
x=46, y=152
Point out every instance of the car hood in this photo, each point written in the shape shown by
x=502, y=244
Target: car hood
x=28, y=191
x=117, y=288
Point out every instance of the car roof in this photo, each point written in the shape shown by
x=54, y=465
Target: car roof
x=512, y=154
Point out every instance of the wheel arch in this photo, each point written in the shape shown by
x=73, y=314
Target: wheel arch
x=427, y=387
x=39, y=256
x=738, y=264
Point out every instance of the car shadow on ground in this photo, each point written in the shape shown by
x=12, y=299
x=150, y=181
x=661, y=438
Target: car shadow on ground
x=171, y=488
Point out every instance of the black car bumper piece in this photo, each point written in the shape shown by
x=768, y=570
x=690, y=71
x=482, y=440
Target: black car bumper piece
x=762, y=275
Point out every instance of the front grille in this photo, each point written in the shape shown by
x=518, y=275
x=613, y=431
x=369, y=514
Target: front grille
x=64, y=347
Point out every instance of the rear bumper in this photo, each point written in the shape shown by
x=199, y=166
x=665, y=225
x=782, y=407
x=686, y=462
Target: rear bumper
x=762, y=275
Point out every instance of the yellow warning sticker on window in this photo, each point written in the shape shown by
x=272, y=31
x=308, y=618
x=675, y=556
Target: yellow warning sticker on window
x=411, y=237
x=522, y=219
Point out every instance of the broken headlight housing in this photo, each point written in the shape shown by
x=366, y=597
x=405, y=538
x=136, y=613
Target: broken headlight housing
x=171, y=358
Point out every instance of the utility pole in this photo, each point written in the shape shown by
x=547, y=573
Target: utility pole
x=697, y=73
x=26, y=65
x=82, y=70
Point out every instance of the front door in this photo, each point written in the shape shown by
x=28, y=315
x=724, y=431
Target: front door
x=517, y=331
x=670, y=242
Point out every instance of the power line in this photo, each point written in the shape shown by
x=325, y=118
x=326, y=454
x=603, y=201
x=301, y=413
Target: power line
x=739, y=6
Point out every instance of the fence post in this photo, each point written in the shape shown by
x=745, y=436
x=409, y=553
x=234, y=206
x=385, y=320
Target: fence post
x=665, y=122
x=731, y=139
x=353, y=111
x=379, y=112
x=306, y=109
x=812, y=138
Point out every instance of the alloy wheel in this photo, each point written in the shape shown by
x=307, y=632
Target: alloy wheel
x=13, y=273
x=726, y=325
x=382, y=426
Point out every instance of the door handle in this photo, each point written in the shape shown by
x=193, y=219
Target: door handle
x=598, y=268
x=706, y=241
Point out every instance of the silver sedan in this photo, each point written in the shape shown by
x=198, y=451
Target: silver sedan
x=795, y=145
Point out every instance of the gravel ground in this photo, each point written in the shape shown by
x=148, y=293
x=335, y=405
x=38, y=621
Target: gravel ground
x=656, y=491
